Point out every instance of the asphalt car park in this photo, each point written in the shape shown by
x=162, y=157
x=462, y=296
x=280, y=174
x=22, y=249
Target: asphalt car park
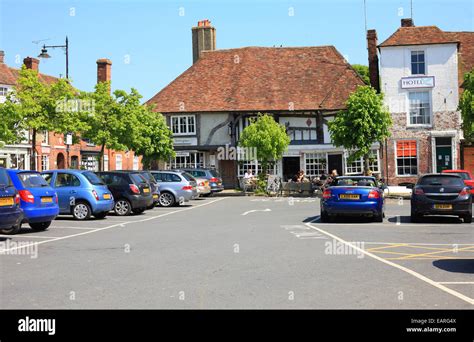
x=243, y=252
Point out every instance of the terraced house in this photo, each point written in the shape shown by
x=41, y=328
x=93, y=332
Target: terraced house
x=209, y=105
x=421, y=74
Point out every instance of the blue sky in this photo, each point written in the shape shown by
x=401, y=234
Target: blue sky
x=149, y=42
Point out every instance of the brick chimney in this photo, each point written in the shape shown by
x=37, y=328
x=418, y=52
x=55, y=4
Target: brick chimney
x=2, y=57
x=408, y=22
x=204, y=38
x=373, y=60
x=104, y=70
x=31, y=63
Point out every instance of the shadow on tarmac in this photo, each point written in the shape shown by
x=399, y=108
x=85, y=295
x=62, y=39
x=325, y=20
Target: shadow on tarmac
x=455, y=265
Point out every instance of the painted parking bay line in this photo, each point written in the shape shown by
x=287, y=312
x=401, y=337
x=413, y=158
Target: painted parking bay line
x=256, y=210
x=112, y=226
x=402, y=268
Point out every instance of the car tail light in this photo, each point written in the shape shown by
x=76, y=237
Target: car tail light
x=187, y=187
x=419, y=191
x=327, y=194
x=214, y=180
x=17, y=199
x=27, y=196
x=57, y=198
x=464, y=192
x=203, y=184
x=374, y=194
x=95, y=195
x=134, y=189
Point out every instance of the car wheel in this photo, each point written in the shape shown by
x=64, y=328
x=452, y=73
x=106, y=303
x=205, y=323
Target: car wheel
x=467, y=218
x=324, y=217
x=81, y=211
x=167, y=199
x=378, y=217
x=122, y=207
x=40, y=226
x=101, y=216
x=11, y=231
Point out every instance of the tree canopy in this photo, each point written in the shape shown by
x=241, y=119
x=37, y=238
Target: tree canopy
x=466, y=106
x=363, y=71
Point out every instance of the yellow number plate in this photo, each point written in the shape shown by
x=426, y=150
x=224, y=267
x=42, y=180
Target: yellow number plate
x=351, y=197
x=443, y=206
x=146, y=190
x=46, y=200
x=155, y=196
x=6, y=201
x=106, y=196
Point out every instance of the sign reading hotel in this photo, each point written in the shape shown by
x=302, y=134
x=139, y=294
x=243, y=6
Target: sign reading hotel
x=418, y=82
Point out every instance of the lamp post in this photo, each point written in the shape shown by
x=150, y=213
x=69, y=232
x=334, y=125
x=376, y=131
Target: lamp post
x=44, y=53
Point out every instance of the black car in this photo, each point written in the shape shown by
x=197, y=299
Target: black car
x=155, y=190
x=131, y=191
x=441, y=194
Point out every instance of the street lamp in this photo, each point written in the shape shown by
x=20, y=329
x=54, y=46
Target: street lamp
x=44, y=53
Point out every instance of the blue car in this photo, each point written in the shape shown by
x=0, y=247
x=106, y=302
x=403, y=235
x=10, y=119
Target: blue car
x=81, y=193
x=356, y=195
x=11, y=214
x=37, y=199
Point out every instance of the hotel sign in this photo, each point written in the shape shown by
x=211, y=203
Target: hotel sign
x=418, y=82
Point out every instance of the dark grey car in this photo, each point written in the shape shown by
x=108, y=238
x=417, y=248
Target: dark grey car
x=175, y=187
x=215, y=179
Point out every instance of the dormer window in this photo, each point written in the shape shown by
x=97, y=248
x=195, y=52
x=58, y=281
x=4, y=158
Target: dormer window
x=418, y=63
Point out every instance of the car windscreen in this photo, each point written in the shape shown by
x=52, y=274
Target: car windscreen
x=137, y=178
x=441, y=181
x=93, y=178
x=354, y=182
x=149, y=177
x=188, y=177
x=214, y=173
x=32, y=180
x=464, y=175
x=4, y=178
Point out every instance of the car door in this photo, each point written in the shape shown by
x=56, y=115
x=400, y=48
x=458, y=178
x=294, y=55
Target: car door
x=67, y=186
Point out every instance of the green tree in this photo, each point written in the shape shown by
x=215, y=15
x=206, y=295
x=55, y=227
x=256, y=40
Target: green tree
x=466, y=106
x=152, y=139
x=268, y=137
x=363, y=123
x=363, y=71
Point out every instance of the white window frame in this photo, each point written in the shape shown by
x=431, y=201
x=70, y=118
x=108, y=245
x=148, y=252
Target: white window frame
x=360, y=162
x=3, y=90
x=118, y=162
x=426, y=64
x=315, y=156
x=417, y=158
x=44, y=162
x=187, y=130
x=430, y=99
x=106, y=162
x=256, y=166
x=45, y=135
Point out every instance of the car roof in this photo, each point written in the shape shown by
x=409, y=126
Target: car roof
x=440, y=174
x=354, y=177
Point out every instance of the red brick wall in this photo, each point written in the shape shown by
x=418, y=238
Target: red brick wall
x=469, y=158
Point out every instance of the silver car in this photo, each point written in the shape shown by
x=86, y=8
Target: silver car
x=175, y=187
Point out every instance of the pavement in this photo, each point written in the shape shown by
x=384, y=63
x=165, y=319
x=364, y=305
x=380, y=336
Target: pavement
x=241, y=252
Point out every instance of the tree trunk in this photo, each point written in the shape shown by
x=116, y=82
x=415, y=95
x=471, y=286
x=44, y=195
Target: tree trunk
x=366, y=164
x=101, y=157
x=33, y=151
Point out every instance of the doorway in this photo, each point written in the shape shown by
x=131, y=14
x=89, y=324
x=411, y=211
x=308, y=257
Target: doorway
x=227, y=172
x=60, y=161
x=444, y=159
x=291, y=166
x=335, y=163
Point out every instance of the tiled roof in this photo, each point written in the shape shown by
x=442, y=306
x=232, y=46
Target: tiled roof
x=261, y=79
x=419, y=35
x=10, y=75
x=466, y=51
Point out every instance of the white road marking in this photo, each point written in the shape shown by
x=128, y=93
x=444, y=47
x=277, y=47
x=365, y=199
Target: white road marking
x=402, y=268
x=52, y=239
x=456, y=282
x=25, y=236
x=398, y=220
x=255, y=210
x=50, y=228
x=419, y=243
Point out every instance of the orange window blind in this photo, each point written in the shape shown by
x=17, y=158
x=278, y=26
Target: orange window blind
x=406, y=148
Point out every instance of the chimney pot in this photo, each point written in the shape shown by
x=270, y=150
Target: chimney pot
x=31, y=63
x=204, y=38
x=407, y=22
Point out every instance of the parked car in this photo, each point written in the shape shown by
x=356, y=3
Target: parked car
x=155, y=189
x=37, y=199
x=356, y=195
x=11, y=214
x=175, y=187
x=465, y=175
x=441, y=194
x=81, y=193
x=215, y=180
x=203, y=187
x=130, y=189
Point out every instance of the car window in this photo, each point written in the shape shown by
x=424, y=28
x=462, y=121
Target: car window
x=93, y=178
x=441, y=181
x=354, y=182
x=214, y=173
x=158, y=176
x=66, y=179
x=32, y=180
x=188, y=177
x=149, y=177
x=171, y=177
x=47, y=177
x=137, y=178
x=464, y=175
x=4, y=178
